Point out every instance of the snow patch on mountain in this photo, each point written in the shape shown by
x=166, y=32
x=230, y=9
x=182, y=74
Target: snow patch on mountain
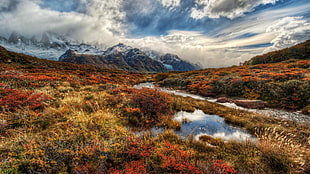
x=121, y=48
x=50, y=46
x=169, y=67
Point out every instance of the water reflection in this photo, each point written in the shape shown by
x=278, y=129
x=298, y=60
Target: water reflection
x=198, y=123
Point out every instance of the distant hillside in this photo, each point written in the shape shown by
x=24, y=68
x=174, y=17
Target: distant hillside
x=300, y=51
x=19, y=70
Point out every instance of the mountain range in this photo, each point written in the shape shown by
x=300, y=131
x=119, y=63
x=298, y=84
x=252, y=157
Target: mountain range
x=128, y=58
x=55, y=47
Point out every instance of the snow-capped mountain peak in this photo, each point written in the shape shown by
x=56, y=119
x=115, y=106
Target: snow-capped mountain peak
x=56, y=47
x=121, y=48
x=152, y=53
x=50, y=46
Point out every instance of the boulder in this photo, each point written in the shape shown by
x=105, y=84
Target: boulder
x=251, y=104
x=223, y=100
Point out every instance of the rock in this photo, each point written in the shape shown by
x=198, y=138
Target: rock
x=223, y=100
x=117, y=57
x=251, y=104
x=177, y=64
x=14, y=38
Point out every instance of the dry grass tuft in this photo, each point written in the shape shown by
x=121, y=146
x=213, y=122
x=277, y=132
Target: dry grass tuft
x=284, y=143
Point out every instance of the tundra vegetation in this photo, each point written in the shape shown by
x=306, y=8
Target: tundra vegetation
x=65, y=118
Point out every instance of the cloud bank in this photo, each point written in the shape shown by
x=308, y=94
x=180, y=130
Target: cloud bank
x=225, y=8
x=100, y=21
x=214, y=33
x=289, y=31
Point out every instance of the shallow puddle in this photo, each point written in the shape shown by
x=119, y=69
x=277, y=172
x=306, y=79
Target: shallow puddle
x=198, y=123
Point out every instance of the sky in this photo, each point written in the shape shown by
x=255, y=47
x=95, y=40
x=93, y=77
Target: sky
x=213, y=33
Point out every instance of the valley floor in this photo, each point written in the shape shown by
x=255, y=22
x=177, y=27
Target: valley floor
x=66, y=118
x=76, y=128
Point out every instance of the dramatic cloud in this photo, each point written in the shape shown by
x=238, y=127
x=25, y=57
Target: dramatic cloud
x=101, y=22
x=225, y=8
x=236, y=43
x=289, y=31
x=198, y=48
x=214, y=33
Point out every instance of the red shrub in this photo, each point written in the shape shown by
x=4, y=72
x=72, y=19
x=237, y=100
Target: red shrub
x=12, y=99
x=218, y=166
x=137, y=149
x=151, y=102
x=146, y=107
x=3, y=85
x=133, y=167
x=175, y=160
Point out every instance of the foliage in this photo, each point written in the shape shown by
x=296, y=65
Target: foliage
x=165, y=157
x=306, y=110
x=161, y=76
x=175, y=160
x=283, y=85
x=144, y=107
x=152, y=105
x=12, y=99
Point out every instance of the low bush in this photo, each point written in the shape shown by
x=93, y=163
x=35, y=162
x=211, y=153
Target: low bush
x=12, y=99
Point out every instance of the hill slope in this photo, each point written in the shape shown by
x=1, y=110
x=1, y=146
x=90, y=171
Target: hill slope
x=300, y=51
x=283, y=85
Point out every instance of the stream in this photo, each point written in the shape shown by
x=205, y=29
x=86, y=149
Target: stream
x=198, y=123
x=276, y=113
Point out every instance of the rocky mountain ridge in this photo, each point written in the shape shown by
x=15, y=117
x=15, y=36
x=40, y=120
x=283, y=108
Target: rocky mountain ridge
x=128, y=58
x=54, y=47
